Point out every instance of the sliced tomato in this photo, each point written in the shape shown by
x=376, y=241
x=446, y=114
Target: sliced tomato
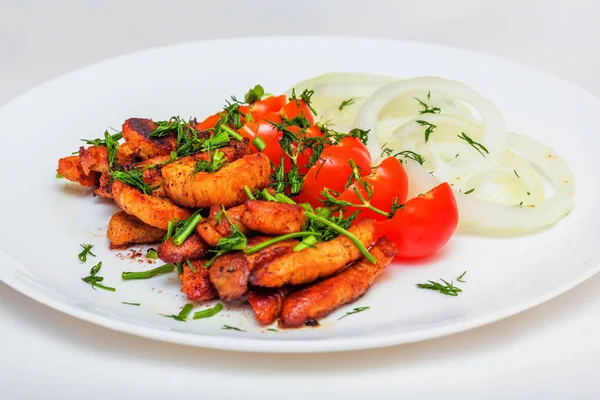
x=333, y=169
x=386, y=182
x=424, y=224
x=295, y=108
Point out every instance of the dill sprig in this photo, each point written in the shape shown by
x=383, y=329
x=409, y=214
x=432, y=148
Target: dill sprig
x=427, y=108
x=134, y=178
x=354, y=311
x=477, y=146
x=428, y=130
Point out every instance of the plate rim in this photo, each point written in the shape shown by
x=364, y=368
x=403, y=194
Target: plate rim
x=320, y=345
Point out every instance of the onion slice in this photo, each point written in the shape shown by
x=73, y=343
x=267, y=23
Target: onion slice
x=494, y=127
x=482, y=216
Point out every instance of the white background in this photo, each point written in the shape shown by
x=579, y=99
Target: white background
x=548, y=352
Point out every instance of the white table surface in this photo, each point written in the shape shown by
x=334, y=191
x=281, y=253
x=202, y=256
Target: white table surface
x=549, y=352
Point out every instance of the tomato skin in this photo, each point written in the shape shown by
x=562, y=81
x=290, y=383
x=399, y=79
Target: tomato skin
x=424, y=224
x=208, y=123
x=332, y=170
x=295, y=108
x=266, y=106
x=387, y=181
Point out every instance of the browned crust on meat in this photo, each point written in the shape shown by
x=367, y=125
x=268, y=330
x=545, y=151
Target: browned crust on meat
x=320, y=299
x=70, y=168
x=208, y=233
x=93, y=159
x=273, y=218
x=105, y=186
x=155, y=211
x=229, y=273
x=193, y=248
x=124, y=229
x=136, y=133
x=225, y=186
x=196, y=285
x=267, y=303
x=322, y=260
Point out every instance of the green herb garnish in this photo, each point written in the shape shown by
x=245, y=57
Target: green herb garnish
x=428, y=130
x=134, y=178
x=346, y=103
x=152, y=254
x=183, y=314
x=427, y=109
x=94, y=280
x=232, y=328
x=354, y=311
x=217, y=160
x=163, y=269
x=254, y=94
x=186, y=229
x=87, y=249
x=447, y=288
x=131, y=304
x=470, y=191
x=460, y=278
x=209, y=312
x=477, y=146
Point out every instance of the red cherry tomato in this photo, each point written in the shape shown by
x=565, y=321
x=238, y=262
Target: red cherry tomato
x=424, y=224
x=208, y=123
x=386, y=182
x=265, y=106
x=295, y=108
x=333, y=169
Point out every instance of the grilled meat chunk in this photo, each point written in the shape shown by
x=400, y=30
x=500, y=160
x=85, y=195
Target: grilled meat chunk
x=267, y=303
x=225, y=186
x=93, y=159
x=136, y=132
x=193, y=248
x=70, y=168
x=322, y=260
x=155, y=211
x=273, y=218
x=196, y=285
x=124, y=229
x=320, y=299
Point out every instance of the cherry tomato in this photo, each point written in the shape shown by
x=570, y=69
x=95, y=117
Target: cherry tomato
x=265, y=106
x=208, y=122
x=424, y=224
x=333, y=169
x=295, y=108
x=386, y=182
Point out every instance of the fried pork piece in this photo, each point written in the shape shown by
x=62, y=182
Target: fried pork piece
x=152, y=175
x=212, y=230
x=273, y=218
x=229, y=273
x=70, y=168
x=225, y=186
x=196, y=285
x=320, y=299
x=136, y=133
x=267, y=303
x=316, y=262
x=155, y=211
x=105, y=186
x=191, y=249
x=125, y=229
x=93, y=159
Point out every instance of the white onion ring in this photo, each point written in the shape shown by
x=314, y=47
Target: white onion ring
x=494, y=127
x=485, y=216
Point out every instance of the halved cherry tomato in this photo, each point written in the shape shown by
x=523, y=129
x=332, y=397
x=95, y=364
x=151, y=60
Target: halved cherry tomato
x=295, y=108
x=424, y=224
x=333, y=169
x=268, y=133
x=386, y=182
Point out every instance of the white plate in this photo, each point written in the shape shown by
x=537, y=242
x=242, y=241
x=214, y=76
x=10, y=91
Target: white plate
x=45, y=219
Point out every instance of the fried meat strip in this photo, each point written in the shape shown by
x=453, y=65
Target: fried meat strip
x=155, y=211
x=267, y=303
x=70, y=168
x=212, y=228
x=320, y=299
x=93, y=159
x=104, y=189
x=273, y=218
x=229, y=273
x=193, y=248
x=136, y=133
x=124, y=229
x=225, y=186
x=316, y=262
x=196, y=285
